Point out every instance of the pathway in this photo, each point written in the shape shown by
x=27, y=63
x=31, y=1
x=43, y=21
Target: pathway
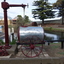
x=43, y=54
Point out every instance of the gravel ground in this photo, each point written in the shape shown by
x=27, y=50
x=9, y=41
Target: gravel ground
x=54, y=50
x=21, y=55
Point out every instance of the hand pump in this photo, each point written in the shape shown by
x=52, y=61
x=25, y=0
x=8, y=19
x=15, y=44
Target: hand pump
x=6, y=6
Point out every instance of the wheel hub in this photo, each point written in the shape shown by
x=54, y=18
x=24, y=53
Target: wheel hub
x=32, y=46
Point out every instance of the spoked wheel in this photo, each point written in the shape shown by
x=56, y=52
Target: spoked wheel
x=32, y=50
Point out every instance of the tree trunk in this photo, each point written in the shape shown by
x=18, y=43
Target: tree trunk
x=62, y=20
x=42, y=21
x=62, y=13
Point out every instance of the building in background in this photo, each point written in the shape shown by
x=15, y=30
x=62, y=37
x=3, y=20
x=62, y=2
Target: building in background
x=14, y=21
x=2, y=23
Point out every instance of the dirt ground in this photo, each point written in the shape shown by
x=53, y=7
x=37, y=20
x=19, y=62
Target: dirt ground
x=54, y=50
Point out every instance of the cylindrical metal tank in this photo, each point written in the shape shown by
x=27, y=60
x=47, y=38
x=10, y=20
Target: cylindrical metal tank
x=30, y=34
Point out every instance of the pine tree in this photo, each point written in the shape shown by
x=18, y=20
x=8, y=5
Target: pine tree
x=43, y=10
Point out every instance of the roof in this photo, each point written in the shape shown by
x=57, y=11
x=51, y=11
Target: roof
x=15, y=18
x=57, y=18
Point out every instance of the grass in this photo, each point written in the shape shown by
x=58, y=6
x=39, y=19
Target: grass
x=1, y=42
x=55, y=45
x=54, y=50
x=11, y=43
x=62, y=53
x=53, y=29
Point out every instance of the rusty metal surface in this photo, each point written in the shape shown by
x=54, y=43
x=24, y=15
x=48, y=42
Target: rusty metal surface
x=33, y=33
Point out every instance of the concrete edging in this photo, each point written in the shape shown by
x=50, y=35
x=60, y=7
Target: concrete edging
x=50, y=60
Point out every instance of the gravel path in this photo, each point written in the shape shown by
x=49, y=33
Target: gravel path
x=42, y=54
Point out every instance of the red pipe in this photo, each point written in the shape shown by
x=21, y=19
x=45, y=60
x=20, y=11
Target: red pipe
x=14, y=5
x=5, y=6
x=6, y=28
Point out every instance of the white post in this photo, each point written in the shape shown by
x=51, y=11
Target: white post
x=12, y=30
x=9, y=31
x=23, y=12
x=46, y=43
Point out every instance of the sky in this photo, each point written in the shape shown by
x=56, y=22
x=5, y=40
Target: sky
x=14, y=11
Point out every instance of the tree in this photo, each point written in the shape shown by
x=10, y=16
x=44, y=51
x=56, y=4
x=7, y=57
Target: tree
x=43, y=10
x=26, y=19
x=60, y=5
x=22, y=21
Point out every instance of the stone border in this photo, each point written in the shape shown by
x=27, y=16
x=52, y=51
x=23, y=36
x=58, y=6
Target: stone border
x=6, y=56
x=50, y=60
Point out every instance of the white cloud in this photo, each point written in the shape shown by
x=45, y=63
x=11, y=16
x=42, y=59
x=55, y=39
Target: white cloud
x=14, y=11
x=52, y=1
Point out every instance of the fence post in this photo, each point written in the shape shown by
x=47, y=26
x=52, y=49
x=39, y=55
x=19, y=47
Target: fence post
x=48, y=43
x=12, y=34
x=62, y=45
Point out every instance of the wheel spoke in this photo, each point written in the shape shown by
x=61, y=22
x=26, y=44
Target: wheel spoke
x=35, y=52
x=28, y=52
x=31, y=53
x=37, y=49
x=33, y=49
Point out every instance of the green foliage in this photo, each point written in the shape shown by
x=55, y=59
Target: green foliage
x=22, y=21
x=59, y=5
x=13, y=42
x=42, y=11
x=1, y=42
x=10, y=26
x=62, y=53
x=50, y=28
x=54, y=47
x=26, y=19
x=54, y=29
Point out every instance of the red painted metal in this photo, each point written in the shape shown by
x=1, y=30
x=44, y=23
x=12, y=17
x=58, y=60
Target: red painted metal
x=32, y=50
x=14, y=5
x=6, y=28
x=3, y=51
x=32, y=46
x=5, y=6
